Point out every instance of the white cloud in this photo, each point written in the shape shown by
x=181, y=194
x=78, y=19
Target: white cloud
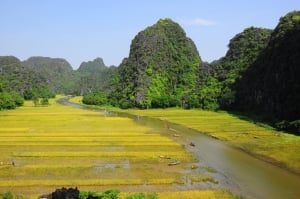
x=198, y=22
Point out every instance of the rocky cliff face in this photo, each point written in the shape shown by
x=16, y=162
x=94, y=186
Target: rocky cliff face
x=58, y=72
x=94, y=76
x=15, y=77
x=244, y=49
x=92, y=67
x=271, y=85
x=162, y=62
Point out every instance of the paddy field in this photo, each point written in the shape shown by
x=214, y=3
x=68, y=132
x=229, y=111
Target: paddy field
x=43, y=148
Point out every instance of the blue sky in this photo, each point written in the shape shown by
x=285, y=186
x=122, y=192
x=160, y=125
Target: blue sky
x=81, y=30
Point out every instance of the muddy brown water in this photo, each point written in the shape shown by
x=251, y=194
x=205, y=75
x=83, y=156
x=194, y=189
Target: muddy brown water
x=237, y=171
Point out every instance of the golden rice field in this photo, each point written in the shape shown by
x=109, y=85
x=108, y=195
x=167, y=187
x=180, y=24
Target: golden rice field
x=58, y=146
x=259, y=140
x=207, y=194
x=192, y=194
x=276, y=147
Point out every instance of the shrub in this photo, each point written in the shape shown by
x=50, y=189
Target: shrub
x=125, y=104
x=9, y=195
x=293, y=127
x=95, y=99
x=109, y=194
x=35, y=101
x=164, y=101
x=30, y=94
x=88, y=194
x=192, y=102
x=44, y=101
x=143, y=196
x=7, y=101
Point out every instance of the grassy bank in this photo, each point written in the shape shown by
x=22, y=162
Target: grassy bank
x=261, y=141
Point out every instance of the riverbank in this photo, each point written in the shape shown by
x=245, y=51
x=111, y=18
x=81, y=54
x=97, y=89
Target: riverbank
x=258, y=140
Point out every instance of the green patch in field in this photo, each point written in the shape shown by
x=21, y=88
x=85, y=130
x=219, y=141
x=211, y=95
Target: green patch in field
x=203, y=178
x=211, y=169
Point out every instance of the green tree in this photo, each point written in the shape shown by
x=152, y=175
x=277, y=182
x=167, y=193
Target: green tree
x=142, y=196
x=6, y=101
x=19, y=101
x=95, y=99
x=209, y=93
x=36, y=101
x=44, y=102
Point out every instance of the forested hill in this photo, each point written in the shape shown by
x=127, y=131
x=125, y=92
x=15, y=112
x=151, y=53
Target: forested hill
x=58, y=72
x=243, y=49
x=161, y=70
x=43, y=77
x=94, y=76
x=14, y=77
x=91, y=67
x=18, y=82
x=271, y=85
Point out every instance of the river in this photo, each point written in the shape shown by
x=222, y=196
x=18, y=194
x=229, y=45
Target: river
x=237, y=171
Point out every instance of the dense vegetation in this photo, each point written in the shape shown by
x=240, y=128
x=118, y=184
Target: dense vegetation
x=40, y=78
x=161, y=70
x=115, y=194
x=57, y=72
x=258, y=75
x=94, y=76
x=95, y=99
x=271, y=85
x=244, y=48
x=18, y=82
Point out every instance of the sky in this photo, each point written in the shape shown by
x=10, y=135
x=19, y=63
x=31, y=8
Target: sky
x=82, y=30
